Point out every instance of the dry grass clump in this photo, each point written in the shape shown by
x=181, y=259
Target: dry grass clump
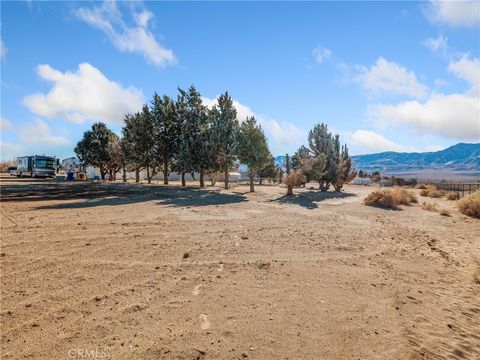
x=429, y=206
x=452, y=196
x=444, y=212
x=390, y=199
x=421, y=186
x=404, y=197
x=470, y=204
x=432, y=191
x=384, y=199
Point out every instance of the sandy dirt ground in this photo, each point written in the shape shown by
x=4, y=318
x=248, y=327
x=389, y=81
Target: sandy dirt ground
x=126, y=271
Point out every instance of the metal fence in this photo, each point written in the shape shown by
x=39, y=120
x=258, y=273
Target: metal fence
x=461, y=189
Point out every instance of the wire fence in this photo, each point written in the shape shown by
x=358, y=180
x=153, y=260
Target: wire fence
x=461, y=189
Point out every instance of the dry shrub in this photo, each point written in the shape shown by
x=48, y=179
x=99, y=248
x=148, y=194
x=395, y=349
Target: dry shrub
x=432, y=191
x=470, y=204
x=390, y=199
x=421, y=186
x=444, y=212
x=429, y=206
x=404, y=197
x=452, y=196
x=384, y=199
x=424, y=192
x=294, y=179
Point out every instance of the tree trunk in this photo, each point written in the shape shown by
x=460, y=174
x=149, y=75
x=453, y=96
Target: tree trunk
x=124, y=175
x=165, y=172
x=114, y=175
x=137, y=175
x=252, y=187
x=183, y=178
x=289, y=190
x=226, y=178
x=324, y=186
x=102, y=174
x=213, y=180
x=202, y=179
x=149, y=180
x=260, y=182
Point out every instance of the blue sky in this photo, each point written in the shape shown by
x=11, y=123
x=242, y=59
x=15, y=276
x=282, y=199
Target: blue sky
x=401, y=76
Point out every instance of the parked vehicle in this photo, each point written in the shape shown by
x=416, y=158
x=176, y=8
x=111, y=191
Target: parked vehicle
x=12, y=170
x=37, y=166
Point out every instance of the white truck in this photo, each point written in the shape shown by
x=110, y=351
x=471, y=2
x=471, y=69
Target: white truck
x=37, y=166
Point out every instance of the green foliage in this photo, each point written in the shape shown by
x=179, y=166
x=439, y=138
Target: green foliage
x=301, y=157
x=196, y=148
x=271, y=171
x=314, y=168
x=95, y=147
x=139, y=136
x=167, y=131
x=252, y=148
x=223, y=135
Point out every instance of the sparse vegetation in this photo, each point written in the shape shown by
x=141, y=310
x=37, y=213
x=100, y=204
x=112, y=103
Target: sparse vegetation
x=432, y=191
x=294, y=179
x=444, y=212
x=405, y=197
x=390, y=199
x=421, y=186
x=470, y=205
x=452, y=196
x=429, y=206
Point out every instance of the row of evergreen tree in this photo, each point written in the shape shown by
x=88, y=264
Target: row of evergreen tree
x=180, y=135
x=185, y=136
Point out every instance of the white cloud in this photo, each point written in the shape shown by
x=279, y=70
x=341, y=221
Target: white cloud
x=366, y=141
x=389, y=77
x=39, y=133
x=455, y=13
x=438, y=44
x=10, y=151
x=468, y=70
x=320, y=54
x=454, y=116
x=83, y=95
x=284, y=133
x=137, y=38
x=5, y=124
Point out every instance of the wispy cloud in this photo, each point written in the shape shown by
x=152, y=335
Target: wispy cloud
x=438, y=44
x=128, y=38
x=320, y=54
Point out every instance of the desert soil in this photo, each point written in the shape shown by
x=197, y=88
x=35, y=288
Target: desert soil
x=128, y=271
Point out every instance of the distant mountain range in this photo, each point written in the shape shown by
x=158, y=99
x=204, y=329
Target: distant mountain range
x=458, y=161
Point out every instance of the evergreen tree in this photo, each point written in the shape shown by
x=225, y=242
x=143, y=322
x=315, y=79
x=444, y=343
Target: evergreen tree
x=344, y=169
x=195, y=146
x=167, y=133
x=139, y=133
x=271, y=171
x=224, y=128
x=252, y=149
x=95, y=147
x=321, y=141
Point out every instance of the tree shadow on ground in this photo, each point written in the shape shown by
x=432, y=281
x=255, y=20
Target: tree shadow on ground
x=309, y=199
x=92, y=194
